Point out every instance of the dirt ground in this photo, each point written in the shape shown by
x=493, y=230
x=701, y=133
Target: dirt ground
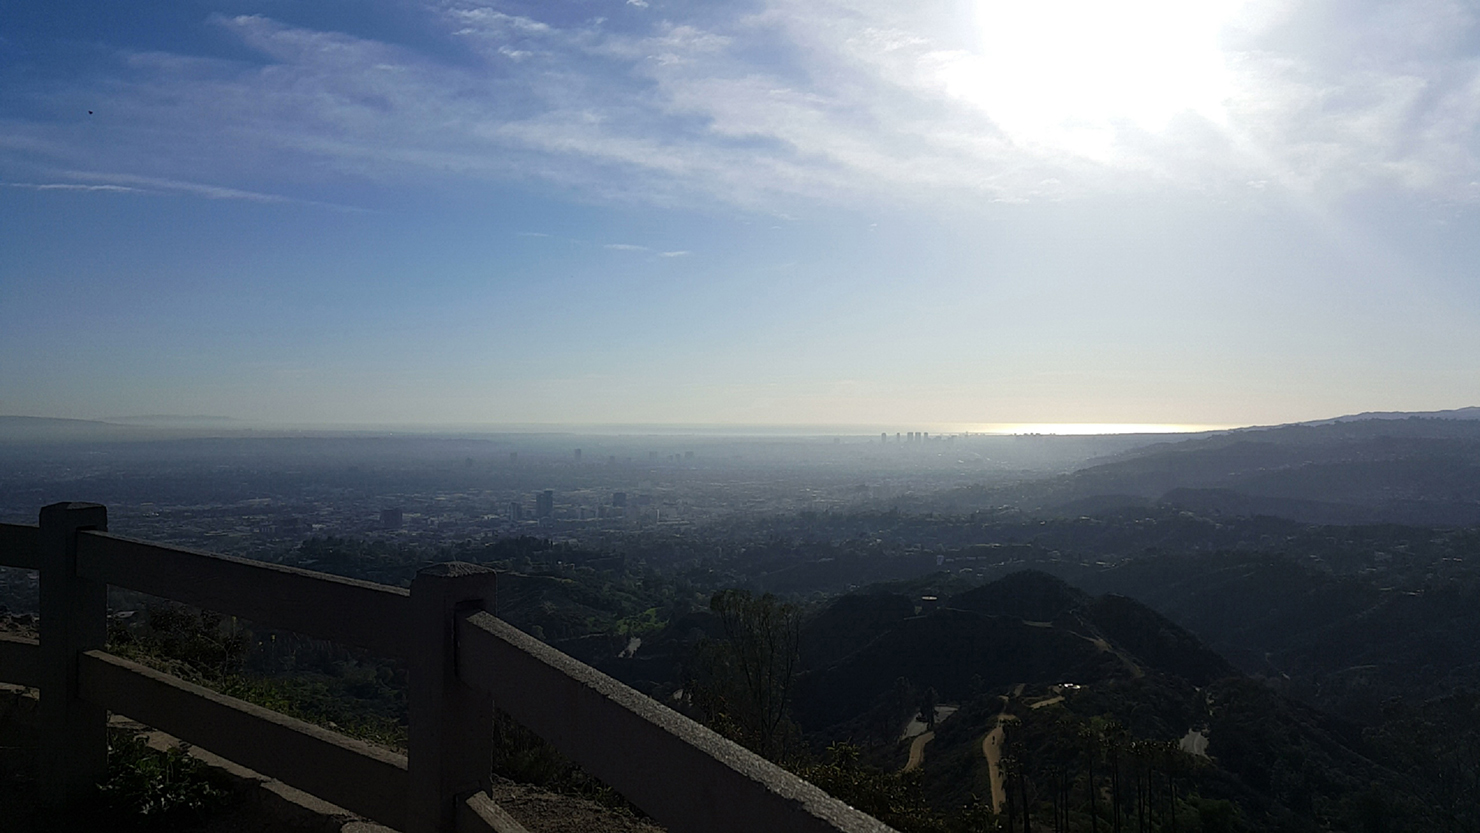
x=545, y=812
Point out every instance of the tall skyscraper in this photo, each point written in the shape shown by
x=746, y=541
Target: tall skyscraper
x=544, y=504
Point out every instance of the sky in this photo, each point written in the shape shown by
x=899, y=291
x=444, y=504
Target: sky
x=843, y=212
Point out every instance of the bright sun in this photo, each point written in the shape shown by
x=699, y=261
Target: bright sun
x=1071, y=72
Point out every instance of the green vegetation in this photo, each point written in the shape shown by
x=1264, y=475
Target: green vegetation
x=150, y=789
x=307, y=679
x=894, y=798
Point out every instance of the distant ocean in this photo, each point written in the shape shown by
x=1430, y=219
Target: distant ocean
x=1083, y=428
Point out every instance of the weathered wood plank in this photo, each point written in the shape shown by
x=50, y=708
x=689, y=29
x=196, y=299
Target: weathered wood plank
x=479, y=814
x=20, y=546
x=354, y=775
x=360, y=613
x=682, y=774
x=20, y=661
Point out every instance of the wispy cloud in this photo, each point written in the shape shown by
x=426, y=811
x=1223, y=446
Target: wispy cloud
x=674, y=254
x=135, y=182
x=839, y=101
x=70, y=186
x=626, y=247
x=149, y=184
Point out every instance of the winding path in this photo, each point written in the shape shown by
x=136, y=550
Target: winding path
x=917, y=751
x=992, y=750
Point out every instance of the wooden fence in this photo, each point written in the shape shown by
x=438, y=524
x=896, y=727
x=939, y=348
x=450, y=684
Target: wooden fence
x=460, y=660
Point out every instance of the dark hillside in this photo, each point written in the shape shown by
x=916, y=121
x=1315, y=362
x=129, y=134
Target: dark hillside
x=851, y=623
x=1416, y=470
x=1156, y=641
x=1343, y=643
x=1027, y=594
x=1028, y=627
x=950, y=651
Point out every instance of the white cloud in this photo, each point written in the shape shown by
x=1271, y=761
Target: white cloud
x=854, y=100
x=489, y=20
x=626, y=247
x=674, y=254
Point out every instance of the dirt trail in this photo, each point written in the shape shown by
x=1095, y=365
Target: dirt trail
x=916, y=732
x=917, y=751
x=992, y=750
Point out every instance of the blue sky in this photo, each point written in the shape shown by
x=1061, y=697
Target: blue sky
x=848, y=212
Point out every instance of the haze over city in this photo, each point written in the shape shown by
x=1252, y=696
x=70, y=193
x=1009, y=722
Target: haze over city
x=775, y=213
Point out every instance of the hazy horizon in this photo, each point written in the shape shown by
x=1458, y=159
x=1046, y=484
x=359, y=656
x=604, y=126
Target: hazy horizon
x=871, y=431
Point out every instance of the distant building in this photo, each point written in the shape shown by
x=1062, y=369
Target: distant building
x=513, y=455
x=391, y=518
x=688, y=455
x=544, y=504
x=516, y=511
x=884, y=437
x=578, y=455
x=619, y=498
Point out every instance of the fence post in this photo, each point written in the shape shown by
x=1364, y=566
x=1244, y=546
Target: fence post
x=450, y=749
x=74, y=618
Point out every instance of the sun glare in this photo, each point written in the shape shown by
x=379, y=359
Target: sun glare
x=1070, y=72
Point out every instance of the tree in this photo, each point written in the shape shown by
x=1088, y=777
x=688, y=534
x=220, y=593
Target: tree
x=745, y=682
x=928, y=702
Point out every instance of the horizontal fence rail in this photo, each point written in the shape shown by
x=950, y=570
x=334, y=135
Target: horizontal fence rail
x=338, y=609
x=460, y=657
x=684, y=775
x=354, y=775
x=20, y=661
x=20, y=546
